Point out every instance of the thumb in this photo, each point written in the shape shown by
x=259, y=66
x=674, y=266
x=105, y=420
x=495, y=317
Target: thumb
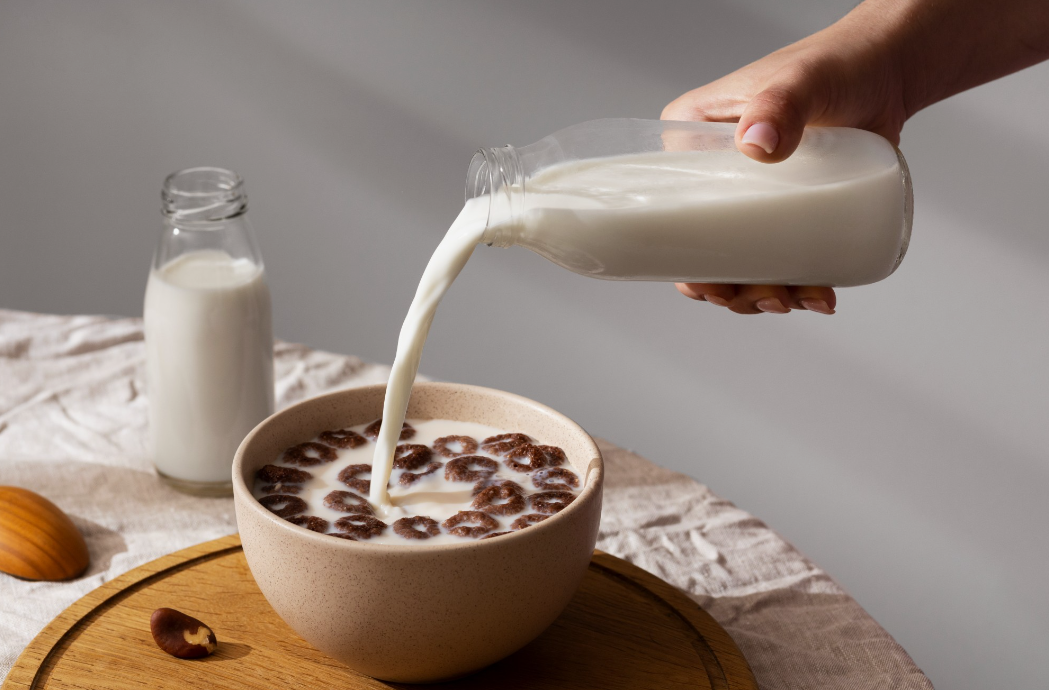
x=774, y=120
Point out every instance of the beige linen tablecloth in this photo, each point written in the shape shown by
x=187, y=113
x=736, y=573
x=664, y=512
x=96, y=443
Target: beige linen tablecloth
x=73, y=428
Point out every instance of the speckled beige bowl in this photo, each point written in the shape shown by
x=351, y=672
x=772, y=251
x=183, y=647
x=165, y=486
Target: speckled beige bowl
x=419, y=613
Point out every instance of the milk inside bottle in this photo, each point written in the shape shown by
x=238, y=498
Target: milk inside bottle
x=667, y=201
x=209, y=338
x=675, y=201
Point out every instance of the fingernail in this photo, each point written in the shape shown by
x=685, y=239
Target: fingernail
x=816, y=305
x=771, y=305
x=714, y=299
x=763, y=135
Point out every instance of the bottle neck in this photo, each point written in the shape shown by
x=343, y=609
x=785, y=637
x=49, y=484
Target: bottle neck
x=203, y=195
x=496, y=173
x=205, y=209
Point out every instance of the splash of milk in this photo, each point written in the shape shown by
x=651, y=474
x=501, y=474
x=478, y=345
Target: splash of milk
x=447, y=261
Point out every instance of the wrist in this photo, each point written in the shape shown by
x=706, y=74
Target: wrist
x=895, y=35
x=938, y=48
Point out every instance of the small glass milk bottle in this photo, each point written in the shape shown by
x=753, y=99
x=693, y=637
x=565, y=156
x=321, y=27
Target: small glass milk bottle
x=626, y=199
x=209, y=338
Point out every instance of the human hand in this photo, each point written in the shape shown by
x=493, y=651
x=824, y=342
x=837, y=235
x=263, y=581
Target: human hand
x=842, y=76
x=873, y=69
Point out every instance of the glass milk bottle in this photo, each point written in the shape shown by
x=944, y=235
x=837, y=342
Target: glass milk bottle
x=209, y=339
x=676, y=201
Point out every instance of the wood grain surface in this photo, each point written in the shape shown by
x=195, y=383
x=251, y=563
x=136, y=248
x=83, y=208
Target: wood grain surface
x=625, y=629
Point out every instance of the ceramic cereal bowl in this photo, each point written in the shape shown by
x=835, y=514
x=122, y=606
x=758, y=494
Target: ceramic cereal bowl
x=419, y=613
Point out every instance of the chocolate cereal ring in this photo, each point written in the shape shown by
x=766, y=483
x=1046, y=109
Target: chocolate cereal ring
x=485, y=524
x=300, y=454
x=406, y=527
x=458, y=470
x=467, y=445
x=537, y=457
x=346, y=502
x=342, y=438
x=510, y=493
x=343, y=535
x=409, y=478
x=503, y=443
x=282, y=488
x=348, y=476
x=372, y=430
x=275, y=474
x=527, y=521
x=555, y=479
x=310, y=522
x=283, y=505
x=411, y=456
x=555, y=457
x=494, y=534
x=550, y=502
x=491, y=481
x=360, y=526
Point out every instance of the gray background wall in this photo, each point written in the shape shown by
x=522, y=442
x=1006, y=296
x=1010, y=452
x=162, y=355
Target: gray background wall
x=901, y=443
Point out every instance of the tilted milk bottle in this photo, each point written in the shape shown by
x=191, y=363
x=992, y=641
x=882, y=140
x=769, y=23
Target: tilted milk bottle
x=676, y=201
x=209, y=338
x=666, y=201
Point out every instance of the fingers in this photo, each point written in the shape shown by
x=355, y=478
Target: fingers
x=681, y=108
x=720, y=101
x=774, y=120
x=762, y=299
x=742, y=299
x=758, y=299
x=721, y=295
x=771, y=107
x=818, y=299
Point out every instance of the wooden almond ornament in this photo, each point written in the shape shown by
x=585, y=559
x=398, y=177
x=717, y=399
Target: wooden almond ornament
x=37, y=540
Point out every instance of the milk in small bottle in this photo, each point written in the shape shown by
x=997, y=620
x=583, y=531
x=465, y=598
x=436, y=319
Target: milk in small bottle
x=209, y=338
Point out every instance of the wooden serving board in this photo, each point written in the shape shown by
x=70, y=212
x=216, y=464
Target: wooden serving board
x=625, y=628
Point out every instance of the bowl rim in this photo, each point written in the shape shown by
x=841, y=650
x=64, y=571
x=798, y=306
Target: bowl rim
x=594, y=479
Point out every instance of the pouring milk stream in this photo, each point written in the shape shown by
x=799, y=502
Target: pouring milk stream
x=666, y=201
x=447, y=261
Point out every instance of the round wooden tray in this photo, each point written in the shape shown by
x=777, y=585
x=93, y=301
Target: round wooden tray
x=625, y=628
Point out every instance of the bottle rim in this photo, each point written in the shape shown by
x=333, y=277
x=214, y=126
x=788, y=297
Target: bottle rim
x=497, y=173
x=205, y=194
x=908, y=209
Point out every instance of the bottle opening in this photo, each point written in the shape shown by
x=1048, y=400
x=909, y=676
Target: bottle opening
x=497, y=174
x=203, y=194
x=478, y=184
x=478, y=177
x=908, y=209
